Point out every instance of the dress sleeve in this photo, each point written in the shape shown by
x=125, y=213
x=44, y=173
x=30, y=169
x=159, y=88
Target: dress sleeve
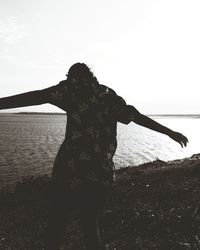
x=124, y=113
x=53, y=95
x=56, y=95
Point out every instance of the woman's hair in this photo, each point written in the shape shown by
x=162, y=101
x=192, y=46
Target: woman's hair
x=81, y=72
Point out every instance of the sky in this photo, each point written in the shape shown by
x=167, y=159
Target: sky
x=147, y=51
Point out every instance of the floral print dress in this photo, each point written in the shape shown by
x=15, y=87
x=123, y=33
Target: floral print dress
x=90, y=141
x=93, y=110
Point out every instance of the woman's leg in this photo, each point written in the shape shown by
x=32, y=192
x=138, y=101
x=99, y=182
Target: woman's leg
x=57, y=211
x=92, y=197
x=90, y=226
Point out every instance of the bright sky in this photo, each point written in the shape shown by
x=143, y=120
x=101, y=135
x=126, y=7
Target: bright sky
x=147, y=51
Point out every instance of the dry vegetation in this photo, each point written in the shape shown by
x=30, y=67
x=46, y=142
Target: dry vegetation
x=152, y=206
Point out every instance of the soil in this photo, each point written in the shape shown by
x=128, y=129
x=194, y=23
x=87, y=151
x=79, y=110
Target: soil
x=152, y=206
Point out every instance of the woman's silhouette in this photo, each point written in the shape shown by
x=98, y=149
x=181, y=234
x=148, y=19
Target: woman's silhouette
x=84, y=163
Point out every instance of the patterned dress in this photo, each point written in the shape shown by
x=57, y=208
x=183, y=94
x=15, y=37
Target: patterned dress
x=93, y=110
x=90, y=141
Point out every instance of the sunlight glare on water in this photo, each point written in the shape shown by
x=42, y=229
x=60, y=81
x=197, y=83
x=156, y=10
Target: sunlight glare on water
x=137, y=144
x=29, y=143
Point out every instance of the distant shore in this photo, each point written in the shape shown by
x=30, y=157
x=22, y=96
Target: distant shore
x=176, y=115
x=62, y=113
x=152, y=206
x=34, y=113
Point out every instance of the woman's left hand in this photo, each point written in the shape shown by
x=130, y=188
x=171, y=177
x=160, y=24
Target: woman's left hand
x=178, y=137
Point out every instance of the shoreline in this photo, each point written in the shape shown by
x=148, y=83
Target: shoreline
x=64, y=113
x=125, y=169
x=152, y=206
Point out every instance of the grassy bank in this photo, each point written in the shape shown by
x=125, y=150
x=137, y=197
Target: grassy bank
x=152, y=206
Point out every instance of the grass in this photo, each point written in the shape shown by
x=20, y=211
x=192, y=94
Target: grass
x=152, y=206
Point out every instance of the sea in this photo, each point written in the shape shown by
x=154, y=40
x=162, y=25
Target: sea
x=29, y=143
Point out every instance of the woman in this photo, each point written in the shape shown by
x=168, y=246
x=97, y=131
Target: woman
x=84, y=164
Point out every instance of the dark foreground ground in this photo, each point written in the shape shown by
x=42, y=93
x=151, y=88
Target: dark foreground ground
x=152, y=206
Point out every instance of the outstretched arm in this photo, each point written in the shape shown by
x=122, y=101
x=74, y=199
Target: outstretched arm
x=127, y=113
x=53, y=95
x=147, y=122
x=25, y=99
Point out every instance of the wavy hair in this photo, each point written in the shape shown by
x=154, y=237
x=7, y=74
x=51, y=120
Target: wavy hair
x=81, y=73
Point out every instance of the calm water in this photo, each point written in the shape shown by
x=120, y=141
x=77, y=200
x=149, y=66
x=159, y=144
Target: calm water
x=29, y=143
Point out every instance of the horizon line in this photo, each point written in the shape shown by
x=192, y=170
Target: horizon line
x=63, y=113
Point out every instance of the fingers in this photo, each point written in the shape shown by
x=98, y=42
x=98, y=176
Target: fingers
x=180, y=138
x=181, y=144
x=183, y=140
